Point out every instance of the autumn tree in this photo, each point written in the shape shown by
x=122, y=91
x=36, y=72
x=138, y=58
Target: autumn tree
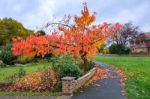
x=83, y=37
x=122, y=38
x=80, y=38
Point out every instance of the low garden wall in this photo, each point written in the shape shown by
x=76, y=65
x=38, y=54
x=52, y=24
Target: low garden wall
x=70, y=85
x=82, y=80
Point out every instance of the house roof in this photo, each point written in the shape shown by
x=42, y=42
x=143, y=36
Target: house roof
x=147, y=43
x=146, y=35
x=143, y=45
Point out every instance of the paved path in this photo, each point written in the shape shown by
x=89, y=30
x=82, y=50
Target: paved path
x=108, y=88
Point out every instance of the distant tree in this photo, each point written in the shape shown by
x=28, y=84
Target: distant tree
x=10, y=28
x=118, y=49
x=100, y=50
x=3, y=32
x=41, y=32
x=121, y=39
x=126, y=34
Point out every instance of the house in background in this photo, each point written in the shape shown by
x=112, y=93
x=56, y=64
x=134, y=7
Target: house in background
x=141, y=45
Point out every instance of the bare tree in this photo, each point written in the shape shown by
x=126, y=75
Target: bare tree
x=126, y=34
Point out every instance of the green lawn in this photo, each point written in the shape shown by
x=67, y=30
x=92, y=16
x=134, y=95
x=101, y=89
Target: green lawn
x=29, y=68
x=137, y=70
x=30, y=94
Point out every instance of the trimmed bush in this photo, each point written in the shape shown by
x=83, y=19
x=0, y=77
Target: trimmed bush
x=6, y=55
x=69, y=70
x=66, y=66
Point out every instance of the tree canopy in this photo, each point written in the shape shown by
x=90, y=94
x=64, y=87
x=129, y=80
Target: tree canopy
x=127, y=33
x=10, y=28
x=80, y=37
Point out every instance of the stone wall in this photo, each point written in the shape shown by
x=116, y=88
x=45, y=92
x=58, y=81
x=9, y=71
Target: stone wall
x=70, y=85
x=82, y=80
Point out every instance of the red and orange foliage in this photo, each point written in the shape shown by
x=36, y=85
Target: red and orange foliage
x=99, y=74
x=31, y=46
x=81, y=38
x=38, y=81
x=84, y=37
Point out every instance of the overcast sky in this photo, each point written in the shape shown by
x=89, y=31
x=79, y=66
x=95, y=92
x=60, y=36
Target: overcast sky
x=36, y=13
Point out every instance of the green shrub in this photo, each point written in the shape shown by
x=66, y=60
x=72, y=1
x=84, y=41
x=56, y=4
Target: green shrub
x=1, y=42
x=113, y=49
x=6, y=55
x=89, y=65
x=66, y=66
x=24, y=60
x=47, y=57
x=21, y=72
x=41, y=32
x=70, y=70
x=118, y=49
x=2, y=64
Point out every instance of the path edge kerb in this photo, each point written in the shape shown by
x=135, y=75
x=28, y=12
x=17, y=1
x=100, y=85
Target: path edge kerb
x=121, y=79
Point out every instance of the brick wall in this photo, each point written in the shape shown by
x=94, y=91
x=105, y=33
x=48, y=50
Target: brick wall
x=70, y=85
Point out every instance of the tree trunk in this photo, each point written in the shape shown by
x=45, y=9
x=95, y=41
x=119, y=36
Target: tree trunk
x=85, y=61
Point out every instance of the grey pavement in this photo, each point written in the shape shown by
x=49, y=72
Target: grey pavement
x=108, y=88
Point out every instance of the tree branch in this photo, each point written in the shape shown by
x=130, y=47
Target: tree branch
x=60, y=24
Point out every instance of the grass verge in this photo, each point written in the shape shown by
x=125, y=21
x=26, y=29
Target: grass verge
x=30, y=93
x=29, y=68
x=137, y=70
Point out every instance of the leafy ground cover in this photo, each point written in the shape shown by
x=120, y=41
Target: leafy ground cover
x=41, y=76
x=137, y=70
x=29, y=68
